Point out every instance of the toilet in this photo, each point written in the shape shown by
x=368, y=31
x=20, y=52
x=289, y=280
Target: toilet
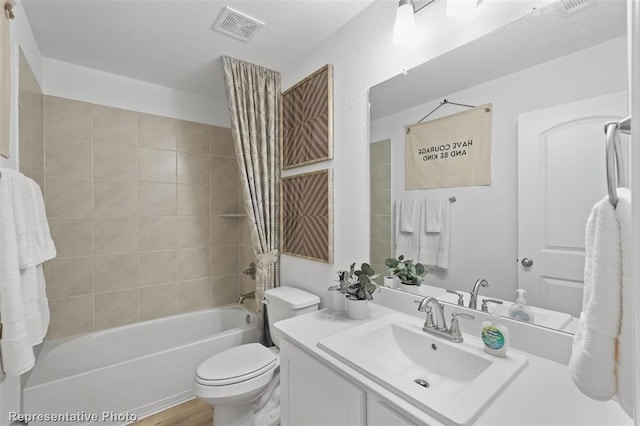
x=232, y=380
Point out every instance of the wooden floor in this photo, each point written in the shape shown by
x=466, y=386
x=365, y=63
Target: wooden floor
x=190, y=413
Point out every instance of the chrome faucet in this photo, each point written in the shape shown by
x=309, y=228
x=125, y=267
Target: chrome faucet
x=473, y=301
x=439, y=327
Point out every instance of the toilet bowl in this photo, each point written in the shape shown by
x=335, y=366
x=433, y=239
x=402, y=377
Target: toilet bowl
x=233, y=380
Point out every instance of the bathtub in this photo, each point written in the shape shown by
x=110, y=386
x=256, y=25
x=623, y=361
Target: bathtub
x=115, y=375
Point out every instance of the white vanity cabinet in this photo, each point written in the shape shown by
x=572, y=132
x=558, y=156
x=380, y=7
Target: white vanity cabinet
x=313, y=394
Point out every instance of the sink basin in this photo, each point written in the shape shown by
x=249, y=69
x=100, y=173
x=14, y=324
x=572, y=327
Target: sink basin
x=454, y=381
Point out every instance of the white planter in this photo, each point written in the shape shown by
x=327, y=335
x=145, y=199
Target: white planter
x=410, y=288
x=357, y=309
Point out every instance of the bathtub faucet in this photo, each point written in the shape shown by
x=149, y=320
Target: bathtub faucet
x=251, y=295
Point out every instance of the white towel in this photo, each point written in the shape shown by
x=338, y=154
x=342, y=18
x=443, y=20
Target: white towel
x=409, y=215
x=593, y=360
x=434, y=246
x=406, y=243
x=433, y=215
x=24, y=311
x=625, y=361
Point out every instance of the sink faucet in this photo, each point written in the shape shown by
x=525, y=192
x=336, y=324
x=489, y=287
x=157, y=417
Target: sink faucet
x=473, y=301
x=439, y=328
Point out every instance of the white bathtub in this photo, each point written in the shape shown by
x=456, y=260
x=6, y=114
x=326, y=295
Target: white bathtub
x=136, y=369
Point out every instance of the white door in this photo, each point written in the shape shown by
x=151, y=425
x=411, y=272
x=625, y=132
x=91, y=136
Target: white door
x=561, y=175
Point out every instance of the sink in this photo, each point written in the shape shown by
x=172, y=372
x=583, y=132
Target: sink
x=455, y=381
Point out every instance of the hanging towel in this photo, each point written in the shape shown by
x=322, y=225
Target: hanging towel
x=434, y=246
x=625, y=361
x=593, y=359
x=406, y=243
x=408, y=216
x=433, y=215
x=24, y=310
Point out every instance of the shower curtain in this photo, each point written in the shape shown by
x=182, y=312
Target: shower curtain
x=253, y=96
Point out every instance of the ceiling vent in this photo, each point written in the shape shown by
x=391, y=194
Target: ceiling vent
x=569, y=7
x=237, y=25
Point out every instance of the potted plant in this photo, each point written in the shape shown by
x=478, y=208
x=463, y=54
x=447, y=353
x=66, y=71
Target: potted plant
x=406, y=271
x=359, y=291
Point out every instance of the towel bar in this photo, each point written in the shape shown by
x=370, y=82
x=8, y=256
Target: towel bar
x=616, y=166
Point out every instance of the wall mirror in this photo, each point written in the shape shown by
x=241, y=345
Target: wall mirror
x=553, y=77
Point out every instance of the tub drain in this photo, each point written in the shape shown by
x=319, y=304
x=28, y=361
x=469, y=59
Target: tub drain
x=422, y=382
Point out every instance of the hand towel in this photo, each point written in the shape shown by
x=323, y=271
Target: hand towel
x=434, y=246
x=593, y=359
x=408, y=215
x=625, y=361
x=433, y=215
x=406, y=243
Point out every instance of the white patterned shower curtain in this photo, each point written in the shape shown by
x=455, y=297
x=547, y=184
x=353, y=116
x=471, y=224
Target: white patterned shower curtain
x=253, y=94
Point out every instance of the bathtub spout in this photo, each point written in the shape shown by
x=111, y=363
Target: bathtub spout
x=242, y=297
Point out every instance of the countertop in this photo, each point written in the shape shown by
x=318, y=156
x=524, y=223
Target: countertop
x=542, y=394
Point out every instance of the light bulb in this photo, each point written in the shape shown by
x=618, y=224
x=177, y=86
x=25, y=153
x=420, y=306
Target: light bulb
x=404, y=30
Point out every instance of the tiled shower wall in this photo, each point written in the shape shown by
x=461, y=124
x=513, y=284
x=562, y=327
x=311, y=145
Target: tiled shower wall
x=133, y=202
x=31, y=123
x=380, y=171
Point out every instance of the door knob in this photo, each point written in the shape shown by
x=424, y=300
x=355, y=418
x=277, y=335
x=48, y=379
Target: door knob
x=526, y=262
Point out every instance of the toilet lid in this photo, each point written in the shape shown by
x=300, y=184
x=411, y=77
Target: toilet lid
x=235, y=365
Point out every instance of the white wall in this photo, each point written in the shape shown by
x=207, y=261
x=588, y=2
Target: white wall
x=72, y=81
x=484, y=225
x=363, y=56
x=21, y=38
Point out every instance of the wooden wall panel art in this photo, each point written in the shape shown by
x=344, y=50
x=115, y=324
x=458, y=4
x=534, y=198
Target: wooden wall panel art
x=307, y=120
x=307, y=215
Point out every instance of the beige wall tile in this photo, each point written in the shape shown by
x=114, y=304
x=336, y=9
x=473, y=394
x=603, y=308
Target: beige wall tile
x=193, y=231
x=157, y=199
x=380, y=251
x=72, y=276
x=380, y=153
x=115, y=236
x=66, y=118
x=32, y=174
x=193, y=137
x=381, y=228
x=115, y=199
x=157, y=165
x=224, y=172
x=72, y=237
x=224, y=289
x=69, y=158
x=115, y=272
x=158, y=301
x=381, y=203
x=194, y=168
x=114, y=125
x=224, y=260
x=158, y=267
x=116, y=308
x=68, y=197
x=224, y=200
x=115, y=161
x=381, y=178
x=194, y=295
x=157, y=233
x=224, y=231
x=244, y=233
x=194, y=200
x=194, y=263
x=69, y=316
x=156, y=132
x=222, y=142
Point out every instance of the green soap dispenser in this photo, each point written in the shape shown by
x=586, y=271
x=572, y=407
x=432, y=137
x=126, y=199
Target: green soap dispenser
x=520, y=310
x=495, y=335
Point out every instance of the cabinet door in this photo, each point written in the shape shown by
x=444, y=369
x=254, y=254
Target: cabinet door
x=380, y=414
x=312, y=394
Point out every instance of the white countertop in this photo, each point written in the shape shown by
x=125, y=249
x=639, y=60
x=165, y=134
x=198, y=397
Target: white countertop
x=542, y=394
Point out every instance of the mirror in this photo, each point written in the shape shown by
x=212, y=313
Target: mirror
x=548, y=61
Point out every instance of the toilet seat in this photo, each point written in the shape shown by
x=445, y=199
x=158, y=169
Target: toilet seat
x=236, y=365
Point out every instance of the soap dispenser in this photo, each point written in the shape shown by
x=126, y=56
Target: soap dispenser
x=495, y=335
x=520, y=310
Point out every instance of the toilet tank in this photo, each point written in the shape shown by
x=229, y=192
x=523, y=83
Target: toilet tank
x=287, y=302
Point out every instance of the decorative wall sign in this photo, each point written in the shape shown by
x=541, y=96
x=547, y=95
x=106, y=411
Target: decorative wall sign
x=450, y=151
x=307, y=215
x=307, y=120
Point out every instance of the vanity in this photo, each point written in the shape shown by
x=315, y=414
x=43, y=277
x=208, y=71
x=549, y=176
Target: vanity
x=320, y=388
